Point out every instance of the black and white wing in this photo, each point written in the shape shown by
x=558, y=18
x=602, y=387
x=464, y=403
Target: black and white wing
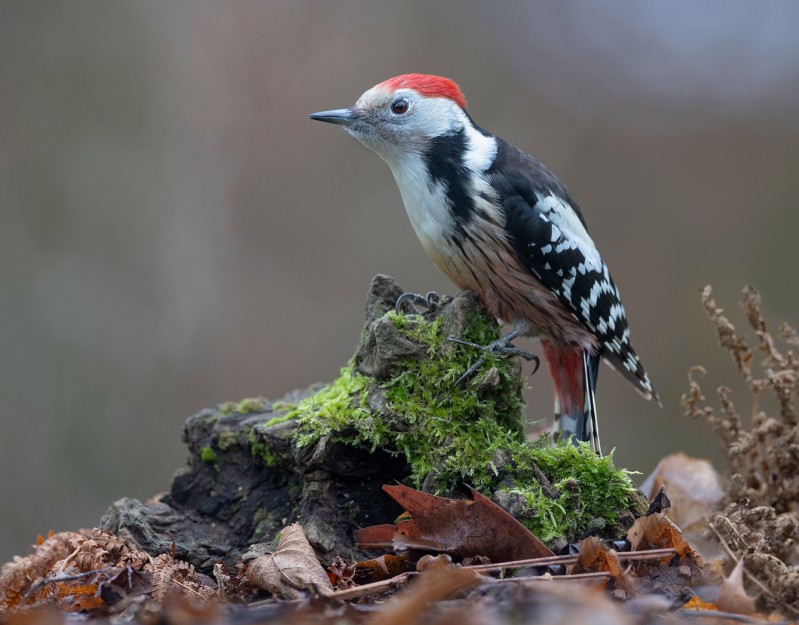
x=551, y=240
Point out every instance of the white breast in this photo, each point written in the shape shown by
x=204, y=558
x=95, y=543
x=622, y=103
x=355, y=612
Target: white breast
x=426, y=200
x=426, y=204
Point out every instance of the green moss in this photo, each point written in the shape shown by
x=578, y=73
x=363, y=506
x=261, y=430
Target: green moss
x=276, y=420
x=339, y=407
x=226, y=408
x=587, y=486
x=252, y=404
x=207, y=454
x=263, y=451
x=437, y=426
x=245, y=406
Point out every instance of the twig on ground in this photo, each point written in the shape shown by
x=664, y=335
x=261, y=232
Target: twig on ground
x=64, y=578
x=551, y=560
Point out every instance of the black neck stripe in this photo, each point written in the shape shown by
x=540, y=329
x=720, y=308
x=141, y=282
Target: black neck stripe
x=444, y=160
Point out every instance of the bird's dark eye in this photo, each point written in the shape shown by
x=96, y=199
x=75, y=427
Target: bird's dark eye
x=399, y=106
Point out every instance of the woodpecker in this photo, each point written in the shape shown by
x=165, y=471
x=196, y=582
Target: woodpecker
x=497, y=222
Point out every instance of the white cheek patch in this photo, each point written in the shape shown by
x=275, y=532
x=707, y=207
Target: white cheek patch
x=481, y=150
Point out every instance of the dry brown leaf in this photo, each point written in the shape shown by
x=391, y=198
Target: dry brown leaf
x=460, y=527
x=430, y=562
x=227, y=589
x=693, y=486
x=594, y=556
x=292, y=570
x=656, y=531
x=383, y=567
x=94, y=549
x=695, y=603
x=433, y=585
x=18, y=576
x=732, y=596
x=672, y=575
x=78, y=597
x=29, y=580
x=176, y=579
x=341, y=574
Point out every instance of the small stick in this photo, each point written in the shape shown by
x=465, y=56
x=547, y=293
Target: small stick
x=546, y=485
x=356, y=592
x=64, y=578
x=578, y=577
x=623, y=555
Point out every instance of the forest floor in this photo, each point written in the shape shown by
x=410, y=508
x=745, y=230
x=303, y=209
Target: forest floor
x=394, y=495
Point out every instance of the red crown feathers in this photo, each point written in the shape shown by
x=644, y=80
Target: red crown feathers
x=427, y=85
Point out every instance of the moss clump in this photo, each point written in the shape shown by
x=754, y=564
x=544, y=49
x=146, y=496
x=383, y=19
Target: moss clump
x=208, y=455
x=472, y=435
x=419, y=410
x=586, y=487
x=338, y=407
x=245, y=406
x=263, y=451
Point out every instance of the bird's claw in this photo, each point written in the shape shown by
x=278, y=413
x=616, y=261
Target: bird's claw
x=469, y=372
x=429, y=300
x=502, y=347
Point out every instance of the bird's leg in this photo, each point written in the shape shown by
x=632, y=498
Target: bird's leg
x=429, y=300
x=502, y=347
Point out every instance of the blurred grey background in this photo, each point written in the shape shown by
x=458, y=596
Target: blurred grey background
x=175, y=232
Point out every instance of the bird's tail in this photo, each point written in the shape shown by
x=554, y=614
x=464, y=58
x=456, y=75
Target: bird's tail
x=574, y=373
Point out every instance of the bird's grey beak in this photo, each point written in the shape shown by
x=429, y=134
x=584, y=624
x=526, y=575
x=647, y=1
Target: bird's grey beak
x=342, y=117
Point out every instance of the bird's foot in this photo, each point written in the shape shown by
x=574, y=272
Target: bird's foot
x=502, y=347
x=429, y=300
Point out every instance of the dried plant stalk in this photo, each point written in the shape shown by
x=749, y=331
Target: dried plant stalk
x=27, y=580
x=760, y=515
